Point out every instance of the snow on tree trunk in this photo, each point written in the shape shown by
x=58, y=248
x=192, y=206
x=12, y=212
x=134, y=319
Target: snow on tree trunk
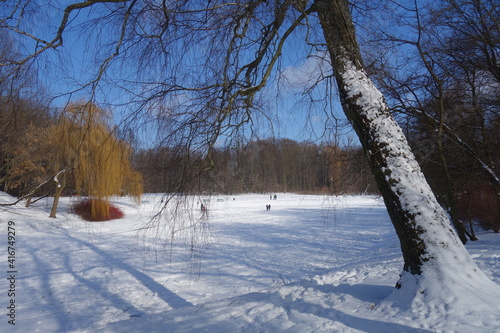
x=435, y=260
x=427, y=240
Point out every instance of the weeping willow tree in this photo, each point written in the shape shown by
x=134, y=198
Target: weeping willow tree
x=99, y=162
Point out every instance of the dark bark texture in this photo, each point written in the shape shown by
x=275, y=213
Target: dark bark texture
x=344, y=51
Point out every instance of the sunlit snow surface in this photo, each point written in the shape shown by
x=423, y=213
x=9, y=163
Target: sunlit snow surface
x=310, y=264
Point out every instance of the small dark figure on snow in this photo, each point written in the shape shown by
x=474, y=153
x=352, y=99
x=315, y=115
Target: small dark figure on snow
x=268, y=207
x=204, y=211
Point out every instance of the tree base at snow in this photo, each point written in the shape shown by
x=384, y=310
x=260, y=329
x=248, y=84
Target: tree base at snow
x=470, y=299
x=87, y=210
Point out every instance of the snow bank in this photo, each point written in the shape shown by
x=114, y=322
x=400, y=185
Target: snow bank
x=310, y=264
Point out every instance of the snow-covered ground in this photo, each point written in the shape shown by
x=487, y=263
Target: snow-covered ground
x=310, y=264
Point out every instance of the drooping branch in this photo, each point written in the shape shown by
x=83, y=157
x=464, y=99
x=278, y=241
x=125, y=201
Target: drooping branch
x=57, y=41
x=270, y=38
x=105, y=64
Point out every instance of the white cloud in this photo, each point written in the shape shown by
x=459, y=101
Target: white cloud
x=306, y=73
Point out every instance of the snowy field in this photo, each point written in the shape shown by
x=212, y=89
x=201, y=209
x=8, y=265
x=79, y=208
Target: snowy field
x=310, y=264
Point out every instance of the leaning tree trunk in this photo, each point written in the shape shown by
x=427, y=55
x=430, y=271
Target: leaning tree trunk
x=424, y=230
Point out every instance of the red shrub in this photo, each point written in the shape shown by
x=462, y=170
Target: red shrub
x=84, y=209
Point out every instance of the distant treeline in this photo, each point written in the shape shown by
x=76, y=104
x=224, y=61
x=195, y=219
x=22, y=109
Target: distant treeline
x=461, y=167
x=271, y=165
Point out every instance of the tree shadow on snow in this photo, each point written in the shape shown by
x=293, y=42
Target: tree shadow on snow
x=55, y=302
x=49, y=304
x=367, y=293
x=266, y=312
x=169, y=297
x=358, y=323
x=363, y=292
